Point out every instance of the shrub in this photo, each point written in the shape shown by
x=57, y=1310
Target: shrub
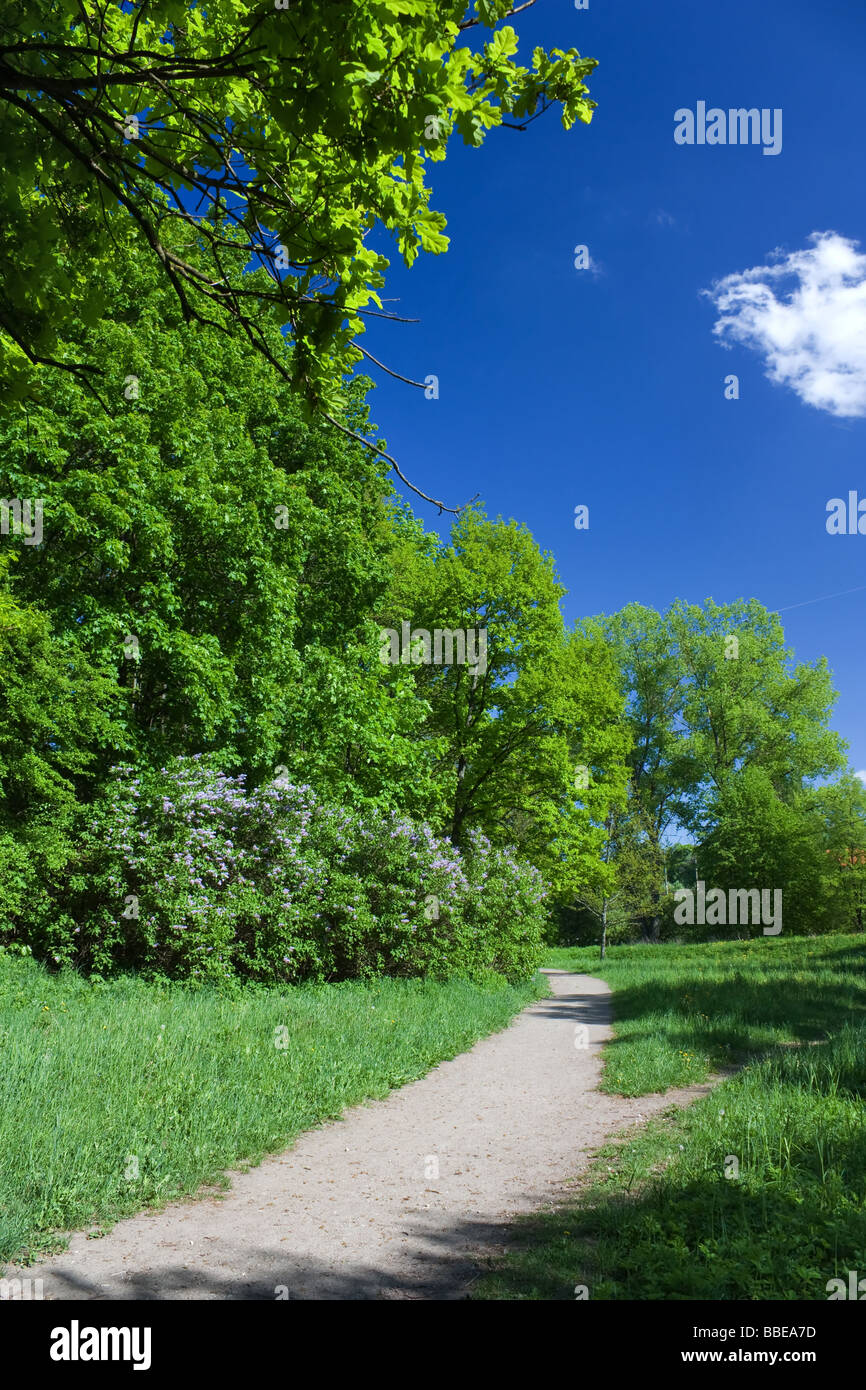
x=188, y=874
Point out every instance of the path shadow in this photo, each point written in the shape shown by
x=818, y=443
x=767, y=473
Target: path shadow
x=445, y=1266
x=581, y=1008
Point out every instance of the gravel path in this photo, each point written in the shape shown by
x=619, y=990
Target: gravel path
x=402, y=1197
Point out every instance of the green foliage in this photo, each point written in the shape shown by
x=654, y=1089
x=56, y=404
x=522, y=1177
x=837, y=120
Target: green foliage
x=651, y=680
x=759, y=839
x=210, y=554
x=185, y=874
x=629, y=894
x=57, y=709
x=842, y=809
x=758, y=709
x=299, y=129
x=728, y=737
x=212, y=579
x=210, y=563
x=505, y=741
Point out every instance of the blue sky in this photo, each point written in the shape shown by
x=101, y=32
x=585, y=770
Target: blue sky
x=606, y=386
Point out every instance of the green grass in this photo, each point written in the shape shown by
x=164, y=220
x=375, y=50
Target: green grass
x=103, y=1081
x=682, y=1012
x=663, y=1216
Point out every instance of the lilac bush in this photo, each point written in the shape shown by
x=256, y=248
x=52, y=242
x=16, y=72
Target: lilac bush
x=193, y=876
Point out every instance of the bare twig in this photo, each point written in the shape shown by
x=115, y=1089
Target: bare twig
x=380, y=453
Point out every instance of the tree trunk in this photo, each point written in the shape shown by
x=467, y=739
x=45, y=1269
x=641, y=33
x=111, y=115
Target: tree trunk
x=603, y=928
x=649, y=930
x=459, y=809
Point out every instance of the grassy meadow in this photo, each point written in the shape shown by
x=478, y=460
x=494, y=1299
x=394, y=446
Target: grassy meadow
x=119, y=1095
x=757, y=1191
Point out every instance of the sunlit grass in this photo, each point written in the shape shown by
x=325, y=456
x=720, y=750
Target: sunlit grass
x=119, y=1095
x=757, y=1191
x=681, y=1012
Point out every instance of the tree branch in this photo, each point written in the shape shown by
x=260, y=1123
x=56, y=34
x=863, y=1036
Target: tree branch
x=472, y=23
x=380, y=452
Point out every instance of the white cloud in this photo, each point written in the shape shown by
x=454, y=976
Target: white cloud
x=805, y=313
x=861, y=775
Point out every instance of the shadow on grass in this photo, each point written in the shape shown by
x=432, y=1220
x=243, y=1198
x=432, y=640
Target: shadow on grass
x=743, y=1007
x=792, y=1219
x=708, y=1240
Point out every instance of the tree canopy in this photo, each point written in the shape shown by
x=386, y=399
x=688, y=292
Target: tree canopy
x=209, y=552
x=730, y=741
x=290, y=128
x=507, y=740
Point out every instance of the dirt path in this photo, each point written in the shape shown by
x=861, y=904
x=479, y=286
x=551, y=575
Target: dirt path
x=400, y=1197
